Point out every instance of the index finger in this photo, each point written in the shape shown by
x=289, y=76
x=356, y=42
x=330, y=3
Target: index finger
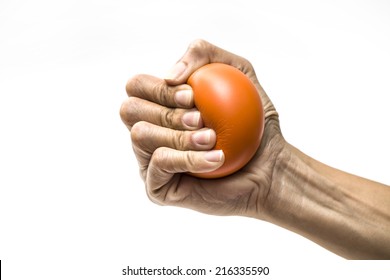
x=158, y=91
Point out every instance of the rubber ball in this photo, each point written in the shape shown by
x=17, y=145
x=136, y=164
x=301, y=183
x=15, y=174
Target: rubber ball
x=229, y=104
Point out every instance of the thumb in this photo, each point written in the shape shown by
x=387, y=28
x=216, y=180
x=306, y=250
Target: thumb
x=199, y=53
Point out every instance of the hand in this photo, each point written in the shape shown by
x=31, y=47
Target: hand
x=344, y=213
x=169, y=140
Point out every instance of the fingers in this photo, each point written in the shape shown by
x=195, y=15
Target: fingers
x=135, y=109
x=166, y=162
x=200, y=53
x=153, y=101
x=157, y=91
x=147, y=138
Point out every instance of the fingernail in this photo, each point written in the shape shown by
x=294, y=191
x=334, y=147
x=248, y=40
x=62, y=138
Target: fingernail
x=192, y=119
x=202, y=137
x=175, y=71
x=184, y=97
x=214, y=156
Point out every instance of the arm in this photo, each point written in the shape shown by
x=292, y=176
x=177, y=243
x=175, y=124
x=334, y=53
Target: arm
x=346, y=214
x=342, y=212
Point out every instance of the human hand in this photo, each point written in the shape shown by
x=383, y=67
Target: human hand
x=169, y=140
x=280, y=184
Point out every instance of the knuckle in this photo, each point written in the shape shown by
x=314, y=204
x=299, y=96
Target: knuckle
x=161, y=156
x=179, y=141
x=199, y=44
x=139, y=132
x=167, y=117
x=135, y=84
x=200, y=49
x=129, y=111
x=123, y=111
x=172, y=161
x=246, y=67
x=172, y=118
x=182, y=141
x=163, y=94
x=150, y=88
x=190, y=161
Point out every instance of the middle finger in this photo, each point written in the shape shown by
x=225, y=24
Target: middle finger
x=135, y=109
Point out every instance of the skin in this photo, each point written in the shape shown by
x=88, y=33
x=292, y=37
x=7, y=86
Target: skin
x=344, y=213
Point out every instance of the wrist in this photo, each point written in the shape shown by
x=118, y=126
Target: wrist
x=283, y=204
x=305, y=199
x=342, y=212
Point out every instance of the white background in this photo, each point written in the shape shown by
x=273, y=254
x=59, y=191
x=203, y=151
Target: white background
x=72, y=205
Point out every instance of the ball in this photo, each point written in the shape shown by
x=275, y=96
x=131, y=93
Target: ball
x=230, y=104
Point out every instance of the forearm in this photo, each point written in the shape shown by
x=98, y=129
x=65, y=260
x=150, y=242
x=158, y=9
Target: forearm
x=346, y=214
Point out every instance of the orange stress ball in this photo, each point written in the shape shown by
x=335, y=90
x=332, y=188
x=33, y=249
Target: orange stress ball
x=230, y=104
